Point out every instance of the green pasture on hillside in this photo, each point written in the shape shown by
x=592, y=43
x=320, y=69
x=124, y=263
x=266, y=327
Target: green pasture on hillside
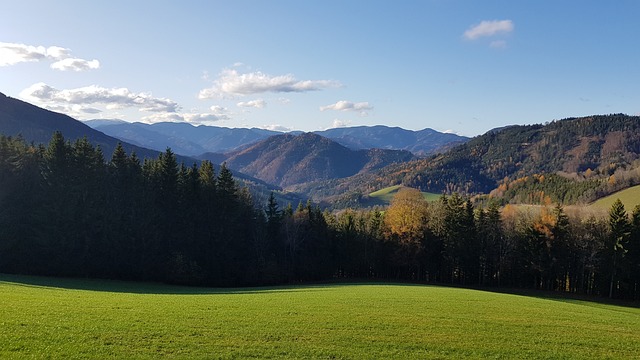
x=384, y=196
x=630, y=197
x=62, y=318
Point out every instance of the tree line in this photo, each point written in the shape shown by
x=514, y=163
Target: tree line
x=65, y=211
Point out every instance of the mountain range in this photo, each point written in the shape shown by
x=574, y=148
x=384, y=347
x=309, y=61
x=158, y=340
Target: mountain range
x=597, y=153
x=193, y=140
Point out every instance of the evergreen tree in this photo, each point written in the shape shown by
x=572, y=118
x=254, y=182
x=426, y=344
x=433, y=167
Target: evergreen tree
x=633, y=252
x=615, y=249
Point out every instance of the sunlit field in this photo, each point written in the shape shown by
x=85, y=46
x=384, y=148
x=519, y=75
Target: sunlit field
x=60, y=318
x=384, y=196
x=630, y=197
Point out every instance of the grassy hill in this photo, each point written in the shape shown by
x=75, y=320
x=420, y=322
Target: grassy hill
x=630, y=197
x=384, y=196
x=60, y=318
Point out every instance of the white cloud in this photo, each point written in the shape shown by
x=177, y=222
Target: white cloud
x=220, y=111
x=57, y=52
x=232, y=83
x=194, y=118
x=73, y=64
x=76, y=111
x=337, y=123
x=258, y=104
x=488, y=28
x=344, y=105
x=276, y=127
x=12, y=53
x=114, y=98
x=204, y=118
x=163, y=117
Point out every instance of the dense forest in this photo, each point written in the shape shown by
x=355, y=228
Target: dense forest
x=65, y=211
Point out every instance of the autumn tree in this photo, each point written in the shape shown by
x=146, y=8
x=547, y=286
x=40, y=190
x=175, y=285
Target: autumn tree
x=406, y=223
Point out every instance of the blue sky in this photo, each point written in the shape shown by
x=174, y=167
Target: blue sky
x=459, y=66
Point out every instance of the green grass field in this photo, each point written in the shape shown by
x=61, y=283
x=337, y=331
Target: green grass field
x=384, y=196
x=60, y=318
x=630, y=197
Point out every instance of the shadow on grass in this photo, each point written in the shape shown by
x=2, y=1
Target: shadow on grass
x=570, y=298
x=134, y=287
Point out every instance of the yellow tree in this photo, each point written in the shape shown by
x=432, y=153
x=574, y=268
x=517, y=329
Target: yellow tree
x=406, y=224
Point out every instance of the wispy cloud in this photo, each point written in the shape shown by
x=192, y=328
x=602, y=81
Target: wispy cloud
x=276, y=127
x=73, y=64
x=232, y=83
x=337, y=123
x=220, y=112
x=488, y=28
x=258, y=104
x=344, y=105
x=114, y=98
x=12, y=53
x=193, y=118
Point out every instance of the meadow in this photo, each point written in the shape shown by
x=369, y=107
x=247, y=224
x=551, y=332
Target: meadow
x=384, y=196
x=69, y=318
x=630, y=197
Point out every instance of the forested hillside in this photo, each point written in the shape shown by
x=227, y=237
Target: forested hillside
x=64, y=211
x=35, y=124
x=594, y=155
x=287, y=159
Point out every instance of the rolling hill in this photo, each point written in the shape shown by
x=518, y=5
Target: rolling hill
x=630, y=197
x=80, y=318
x=289, y=159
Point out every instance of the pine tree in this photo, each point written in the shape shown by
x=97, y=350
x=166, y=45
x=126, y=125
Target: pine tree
x=619, y=227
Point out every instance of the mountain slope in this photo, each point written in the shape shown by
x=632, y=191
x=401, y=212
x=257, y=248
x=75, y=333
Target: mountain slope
x=37, y=125
x=600, y=144
x=288, y=159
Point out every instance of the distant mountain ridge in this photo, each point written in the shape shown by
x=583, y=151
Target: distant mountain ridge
x=422, y=142
x=183, y=138
x=193, y=140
